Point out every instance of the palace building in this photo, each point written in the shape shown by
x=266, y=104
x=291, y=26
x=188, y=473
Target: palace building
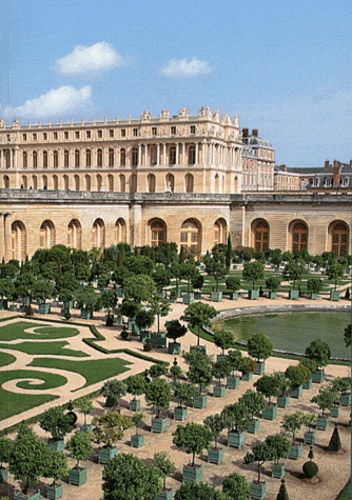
x=188, y=179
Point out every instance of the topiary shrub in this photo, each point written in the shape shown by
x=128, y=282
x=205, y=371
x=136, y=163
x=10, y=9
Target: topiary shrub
x=282, y=495
x=29, y=311
x=67, y=315
x=335, y=441
x=147, y=346
x=109, y=320
x=124, y=334
x=310, y=469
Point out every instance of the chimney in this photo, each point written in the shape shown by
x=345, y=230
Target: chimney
x=326, y=165
x=245, y=132
x=336, y=173
x=255, y=132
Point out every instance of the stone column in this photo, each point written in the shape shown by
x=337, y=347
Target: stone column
x=177, y=154
x=158, y=154
x=184, y=153
x=140, y=154
x=197, y=153
x=146, y=158
x=164, y=154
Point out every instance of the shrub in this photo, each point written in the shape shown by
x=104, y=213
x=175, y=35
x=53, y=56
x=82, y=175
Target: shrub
x=109, y=320
x=67, y=315
x=124, y=334
x=310, y=469
x=147, y=346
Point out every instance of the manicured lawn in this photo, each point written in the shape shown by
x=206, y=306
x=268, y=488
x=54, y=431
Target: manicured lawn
x=45, y=348
x=346, y=493
x=94, y=370
x=14, y=331
x=6, y=359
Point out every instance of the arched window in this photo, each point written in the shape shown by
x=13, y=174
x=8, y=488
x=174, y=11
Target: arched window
x=260, y=235
x=88, y=158
x=111, y=157
x=191, y=155
x=170, y=183
x=190, y=237
x=6, y=181
x=99, y=183
x=98, y=234
x=34, y=182
x=55, y=182
x=35, y=159
x=299, y=236
x=66, y=158
x=77, y=158
x=216, y=187
x=45, y=159
x=220, y=231
x=47, y=234
x=189, y=183
x=123, y=157
x=76, y=179
x=151, y=183
x=111, y=183
x=133, y=183
x=19, y=240
x=153, y=156
x=157, y=231
x=88, y=182
x=122, y=179
x=172, y=155
x=56, y=159
x=100, y=157
x=339, y=237
x=74, y=234
x=235, y=184
x=120, y=231
x=24, y=182
x=134, y=157
x=25, y=159
x=45, y=182
x=66, y=182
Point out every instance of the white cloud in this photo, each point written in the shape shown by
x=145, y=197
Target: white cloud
x=183, y=68
x=83, y=60
x=55, y=102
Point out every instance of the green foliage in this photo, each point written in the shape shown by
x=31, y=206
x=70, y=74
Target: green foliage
x=253, y=401
x=260, y=454
x=319, y=351
x=175, y=329
x=273, y=283
x=348, y=335
x=87, y=298
x=199, y=314
x=176, y=372
x=279, y=447
x=160, y=307
x=80, y=446
x=56, y=422
x=325, y=399
x=113, y=390
x=233, y=283
x=6, y=446
x=335, y=271
x=282, y=495
x=297, y=374
x=268, y=385
x=310, y=420
x=84, y=405
x=260, y=347
x=110, y=427
x=216, y=424
x=157, y=370
x=310, y=469
x=234, y=358
x=158, y=394
x=136, y=385
x=221, y=369
x=126, y=477
x=283, y=383
x=137, y=419
x=310, y=363
x=215, y=266
x=224, y=339
x=236, y=486
x=292, y=423
x=162, y=462
x=335, y=441
x=253, y=271
x=314, y=285
x=199, y=491
x=248, y=365
x=293, y=272
x=184, y=393
x=140, y=288
x=200, y=371
x=144, y=319
x=57, y=466
x=340, y=385
x=236, y=417
x=193, y=438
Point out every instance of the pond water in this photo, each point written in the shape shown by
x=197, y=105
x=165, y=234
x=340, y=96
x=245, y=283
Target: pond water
x=294, y=331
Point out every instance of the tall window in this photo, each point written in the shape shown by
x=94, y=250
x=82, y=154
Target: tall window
x=76, y=180
x=134, y=157
x=19, y=241
x=260, y=235
x=189, y=183
x=190, y=237
x=88, y=158
x=120, y=231
x=99, y=234
x=100, y=157
x=55, y=182
x=153, y=156
x=47, y=234
x=339, y=238
x=123, y=157
x=157, y=232
x=77, y=158
x=133, y=183
x=25, y=159
x=111, y=157
x=66, y=182
x=34, y=182
x=56, y=159
x=299, y=233
x=6, y=180
x=35, y=159
x=111, y=183
x=191, y=155
x=122, y=183
x=88, y=182
x=170, y=183
x=151, y=183
x=66, y=158
x=45, y=159
x=172, y=154
x=99, y=183
x=74, y=234
x=220, y=231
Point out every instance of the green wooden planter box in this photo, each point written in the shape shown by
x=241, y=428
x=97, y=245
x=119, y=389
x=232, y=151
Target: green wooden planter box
x=174, y=348
x=44, y=308
x=200, y=401
x=86, y=314
x=120, y=292
x=295, y=451
x=216, y=296
x=194, y=473
x=272, y=295
x=54, y=491
x=137, y=441
x=219, y=391
x=308, y=383
x=314, y=296
x=188, y=298
x=278, y=471
x=253, y=294
x=309, y=437
x=236, y=439
x=283, y=401
x=318, y=376
x=335, y=295
x=144, y=336
x=180, y=413
x=293, y=294
x=258, y=490
x=233, y=295
x=221, y=357
x=253, y=426
x=270, y=412
x=323, y=422
x=159, y=425
x=56, y=444
x=260, y=368
x=335, y=411
x=31, y=495
x=216, y=455
x=105, y=454
x=246, y=377
x=197, y=295
x=135, y=404
x=3, y=304
x=296, y=393
x=166, y=495
x=345, y=399
x=86, y=428
x=201, y=348
x=77, y=477
x=13, y=308
x=4, y=473
x=233, y=382
x=158, y=339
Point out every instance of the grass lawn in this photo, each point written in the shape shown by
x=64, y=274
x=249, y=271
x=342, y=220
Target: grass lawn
x=93, y=370
x=6, y=359
x=16, y=330
x=45, y=348
x=346, y=492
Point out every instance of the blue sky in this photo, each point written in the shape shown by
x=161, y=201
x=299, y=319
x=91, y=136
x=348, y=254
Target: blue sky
x=283, y=66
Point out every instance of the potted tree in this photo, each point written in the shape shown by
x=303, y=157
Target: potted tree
x=236, y=486
x=224, y=339
x=297, y=375
x=340, y=387
x=253, y=272
x=188, y=271
x=248, y=366
x=292, y=423
x=310, y=421
x=220, y=370
x=87, y=300
x=325, y=401
x=6, y=445
x=314, y=287
x=216, y=424
x=255, y=404
x=113, y=390
x=268, y=385
x=233, y=284
x=160, y=307
x=215, y=266
x=57, y=469
x=312, y=366
x=260, y=454
x=184, y=393
x=199, y=373
x=273, y=283
x=279, y=447
x=137, y=440
x=58, y=424
x=158, y=394
x=319, y=351
x=293, y=272
x=84, y=405
x=108, y=429
x=162, y=462
x=136, y=385
x=42, y=291
x=285, y=387
x=80, y=447
x=198, y=315
x=197, y=284
x=234, y=359
x=193, y=438
x=236, y=418
x=335, y=271
x=260, y=347
x=175, y=330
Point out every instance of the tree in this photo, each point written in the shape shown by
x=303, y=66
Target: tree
x=144, y=319
x=253, y=271
x=233, y=283
x=268, y=385
x=282, y=495
x=273, y=283
x=160, y=307
x=292, y=423
x=247, y=365
x=215, y=266
x=279, y=447
x=126, y=477
x=137, y=419
x=224, y=339
x=175, y=329
x=199, y=491
x=293, y=272
x=187, y=271
x=325, y=399
x=157, y=370
x=136, y=385
x=184, y=393
x=110, y=427
x=84, y=405
x=216, y=424
x=335, y=271
x=161, y=461
x=43, y=290
x=348, y=335
x=161, y=276
x=260, y=454
x=158, y=394
x=193, y=438
x=29, y=457
x=6, y=446
x=200, y=372
x=253, y=401
x=56, y=422
x=235, y=417
x=234, y=359
x=113, y=390
x=221, y=369
x=197, y=315
x=140, y=288
x=87, y=298
x=57, y=466
x=314, y=285
x=260, y=347
x=236, y=486
x=80, y=446
x=319, y=351
x=297, y=374
x=335, y=441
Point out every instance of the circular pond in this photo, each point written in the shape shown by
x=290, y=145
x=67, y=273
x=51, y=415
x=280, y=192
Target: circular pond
x=294, y=331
